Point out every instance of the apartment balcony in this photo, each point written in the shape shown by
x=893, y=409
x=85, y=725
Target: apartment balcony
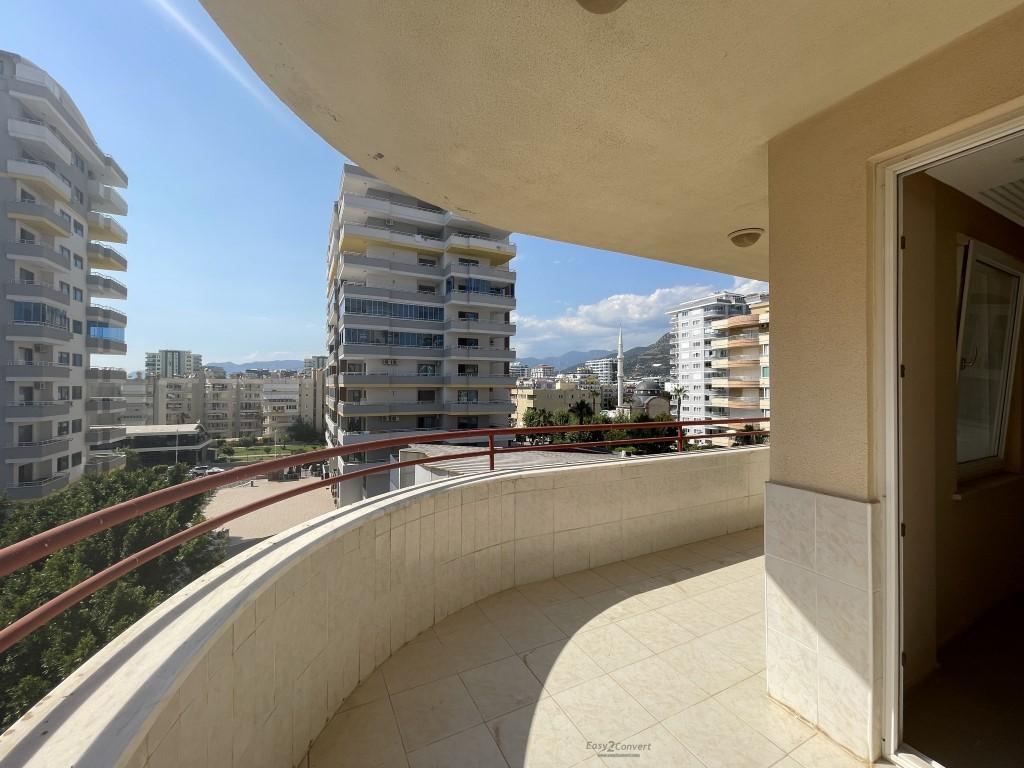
x=479, y=353
x=112, y=173
x=632, y=613
x=479, y=380
x=104, y=435
x=480, y=244
x=103, y=287
x=38, y=253
x=40, y=137
x=736, y=341
x=733, y=361
x=100, y=346
x=34, y=451
x=356, y=289
x=100, y=463
x=105, y=374
x=39, y=216
x=481, y=326
x=764, y=404
x=355, y=237
x=359, y=351
x=454, y=269
x=27, y=290
x=764, y=338
x=31, y=330
x=391, y=209
x=737, y=321
x=397, y=323
x=104, y=199
x=734, y=402
x=36, y=489
x=388, y=380
x=36, y=370
x=39, y=174
x=31, y=410
x=479, y=406
x=106, y=404
x=388, y=409
x=479, y=298
x=733, y=382
x=106, y=314
x=360, y=261
x=105, y=419
x=104, y=388
x=102, y=227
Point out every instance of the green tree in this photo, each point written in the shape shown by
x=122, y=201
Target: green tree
x=303, y=431
x=35, y=665
x=228, y=451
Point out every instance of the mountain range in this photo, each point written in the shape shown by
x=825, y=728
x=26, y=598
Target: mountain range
x=652, y=360
x=273, y=365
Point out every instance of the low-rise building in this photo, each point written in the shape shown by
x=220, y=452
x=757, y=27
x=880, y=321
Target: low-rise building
x=543, y=371
x=558, y=398
x=170, y=444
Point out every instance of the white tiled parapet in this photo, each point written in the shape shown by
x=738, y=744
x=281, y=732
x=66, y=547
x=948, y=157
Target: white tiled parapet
x=245, y=666
x=823, y=613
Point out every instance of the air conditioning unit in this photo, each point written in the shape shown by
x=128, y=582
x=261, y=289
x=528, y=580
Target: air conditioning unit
x=390, y=361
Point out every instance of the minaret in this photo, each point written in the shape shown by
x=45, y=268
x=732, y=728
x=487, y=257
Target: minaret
x=620, y=366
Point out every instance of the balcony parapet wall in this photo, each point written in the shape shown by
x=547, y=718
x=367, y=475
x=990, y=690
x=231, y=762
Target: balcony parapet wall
x=253, y=658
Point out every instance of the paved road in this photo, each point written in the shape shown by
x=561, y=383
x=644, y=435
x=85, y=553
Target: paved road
x=246, y=531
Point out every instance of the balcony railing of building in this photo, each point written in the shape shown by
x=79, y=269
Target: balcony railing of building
x=34, y=548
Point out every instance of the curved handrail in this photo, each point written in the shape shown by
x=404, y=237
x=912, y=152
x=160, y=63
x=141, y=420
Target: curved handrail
x=28, y=551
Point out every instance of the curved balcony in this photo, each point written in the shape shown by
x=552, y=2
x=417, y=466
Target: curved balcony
x=363, y=262
x=480, y=326
x=482, y=380
x=106, y=314
x=104, y=199
x=35, y=289
x=36, y=489
x=479, y=353
x=106, y=228
x=387, y=409
x=20, y=370
x=454, y=269
x=42, y=138
x=40, y=449
x=480, y=298
x=388, y=380
x=41, y=216
x=39, y=253
x=103, y=287
x=101, y=346
x=104, y=257
x=37, y=173
x=32, y=330
x=104, y=435
x=512, y=616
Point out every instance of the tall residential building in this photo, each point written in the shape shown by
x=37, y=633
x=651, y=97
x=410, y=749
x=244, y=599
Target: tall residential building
x=173, y=362
x=543, y=371
x=314, y=363
x=742, y=386
x=692, y=356
x=605, y=369
x=61, y=414
x=418, y=318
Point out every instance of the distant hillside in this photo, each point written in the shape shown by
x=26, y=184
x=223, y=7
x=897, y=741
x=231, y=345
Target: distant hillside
x=274, y=365
x=568, y=359
x=652, y=360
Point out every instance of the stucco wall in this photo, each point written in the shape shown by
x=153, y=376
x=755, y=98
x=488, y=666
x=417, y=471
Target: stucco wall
x=821, y=270
x=245, y=666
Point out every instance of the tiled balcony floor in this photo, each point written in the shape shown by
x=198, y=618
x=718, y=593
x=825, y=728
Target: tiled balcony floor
x=665, y=650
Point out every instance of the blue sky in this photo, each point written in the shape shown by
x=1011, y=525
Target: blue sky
x=230, y=196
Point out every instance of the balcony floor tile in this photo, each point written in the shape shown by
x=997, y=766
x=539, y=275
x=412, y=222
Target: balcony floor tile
x=665, y=651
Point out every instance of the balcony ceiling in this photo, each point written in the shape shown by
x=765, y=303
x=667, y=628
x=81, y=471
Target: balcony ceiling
x=641, y=131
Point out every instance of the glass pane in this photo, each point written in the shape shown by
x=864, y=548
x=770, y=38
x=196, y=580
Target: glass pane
x=985, y=367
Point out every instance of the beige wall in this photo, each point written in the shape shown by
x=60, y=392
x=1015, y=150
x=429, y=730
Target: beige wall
x=821, y=236
x=961, y=556
x=551, y=400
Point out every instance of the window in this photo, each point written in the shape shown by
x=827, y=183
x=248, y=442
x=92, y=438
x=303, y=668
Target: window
x=66, y=217
x=991, y=295
x=426, y=396
x=76, y=426
x=423, y=262
x=76, y=459
x=63, y=428
x=63, y=393
x=467, y=422
x=426, y=369
x=76, y=326
x=765, y=371
x=65, y=288
x=79, y=229
x=78, y=295
x=468, y=396
x=39, y=314
x=63, y=358
x=76, y=359
x=62, y=463
x=465, y=341
x=469, y=315
x=65, y=252
x=469, y=262
x=76, y=393
x=79, y=197
x=78, y=261
x=427, y=422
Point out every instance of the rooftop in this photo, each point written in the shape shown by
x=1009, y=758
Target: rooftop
x=164, y=429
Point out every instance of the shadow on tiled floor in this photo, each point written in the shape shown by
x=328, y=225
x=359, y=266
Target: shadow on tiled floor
x=970, y=712
x=665, y=652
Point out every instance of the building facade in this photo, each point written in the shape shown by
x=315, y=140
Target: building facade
x=418, y=318
x=543, y=371
x=741, y=387
x=693, y=370
x=560, y=398
x=605, y=370
x=173, y=362
x=61, y=412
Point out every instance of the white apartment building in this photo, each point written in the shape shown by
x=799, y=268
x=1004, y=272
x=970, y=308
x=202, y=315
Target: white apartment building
x=314, y=363
x=518, y=370
x=692, y=356
x=173, y=362
x=742, y=386
x=606, y=370
x=418, y=320
x=61, y=412
x=543, y=371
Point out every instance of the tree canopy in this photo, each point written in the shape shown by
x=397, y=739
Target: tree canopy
x=34, y=666
x=303, y=431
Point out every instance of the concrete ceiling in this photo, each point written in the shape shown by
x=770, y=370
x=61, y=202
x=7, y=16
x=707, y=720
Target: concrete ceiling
x=641, y=130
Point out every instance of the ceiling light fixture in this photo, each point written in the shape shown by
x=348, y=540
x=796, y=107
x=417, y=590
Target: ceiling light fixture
x=601, y=6
x=744, y=238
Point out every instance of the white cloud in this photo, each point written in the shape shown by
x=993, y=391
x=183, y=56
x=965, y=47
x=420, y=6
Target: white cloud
x=596, y=326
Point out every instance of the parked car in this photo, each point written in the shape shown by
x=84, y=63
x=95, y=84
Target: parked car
x=214, y=471
x=199, y=470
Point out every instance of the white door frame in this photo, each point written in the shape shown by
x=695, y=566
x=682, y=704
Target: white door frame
x=886, y=327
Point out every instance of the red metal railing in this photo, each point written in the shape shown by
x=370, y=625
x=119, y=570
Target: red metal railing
x=28, y=551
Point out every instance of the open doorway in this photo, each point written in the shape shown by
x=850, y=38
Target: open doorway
x=961, y=303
